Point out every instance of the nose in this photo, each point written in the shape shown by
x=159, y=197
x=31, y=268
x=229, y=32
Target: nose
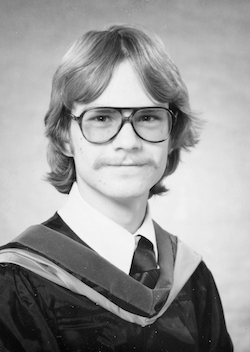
x=127, y=138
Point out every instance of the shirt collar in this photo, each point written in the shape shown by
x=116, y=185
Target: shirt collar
x=103, y=235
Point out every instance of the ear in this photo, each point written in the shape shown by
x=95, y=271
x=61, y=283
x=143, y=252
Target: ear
x=67, y=147
x=67, y=150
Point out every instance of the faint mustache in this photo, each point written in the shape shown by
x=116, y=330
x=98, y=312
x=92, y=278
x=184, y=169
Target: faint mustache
x=104, y=162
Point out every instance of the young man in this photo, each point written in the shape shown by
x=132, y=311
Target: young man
x=101, y=275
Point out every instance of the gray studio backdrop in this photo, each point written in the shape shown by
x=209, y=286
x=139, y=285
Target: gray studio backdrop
x=208, y=202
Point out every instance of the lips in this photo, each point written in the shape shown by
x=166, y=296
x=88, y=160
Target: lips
x=103, y=162
x=126, y=165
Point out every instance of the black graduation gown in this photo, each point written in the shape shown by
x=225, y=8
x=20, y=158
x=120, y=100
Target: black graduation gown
x=37, y=314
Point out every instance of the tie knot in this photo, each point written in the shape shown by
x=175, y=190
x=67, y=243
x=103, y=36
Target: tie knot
x=145, y=244
x=144, y=257
x=144, y=267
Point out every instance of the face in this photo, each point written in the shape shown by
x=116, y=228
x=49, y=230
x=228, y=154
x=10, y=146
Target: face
x=126, y=167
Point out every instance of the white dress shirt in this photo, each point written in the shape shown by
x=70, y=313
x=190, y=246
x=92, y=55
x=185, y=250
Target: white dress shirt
x=106, y=237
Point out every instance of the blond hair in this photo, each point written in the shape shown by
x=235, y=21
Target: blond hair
x=85, y=72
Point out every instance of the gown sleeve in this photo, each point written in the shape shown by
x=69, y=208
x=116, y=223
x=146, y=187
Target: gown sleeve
x=212, y=331
x=26, y=321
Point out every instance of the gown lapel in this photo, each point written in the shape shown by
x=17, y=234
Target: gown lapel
x=70, y=259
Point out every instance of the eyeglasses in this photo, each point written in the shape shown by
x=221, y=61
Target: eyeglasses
x=102, y=124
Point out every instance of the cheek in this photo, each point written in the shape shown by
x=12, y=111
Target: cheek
x=162, y=168
x=162, y=163
x=81, y=157
x=161, y=156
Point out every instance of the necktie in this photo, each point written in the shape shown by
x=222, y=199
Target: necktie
x=144, y=267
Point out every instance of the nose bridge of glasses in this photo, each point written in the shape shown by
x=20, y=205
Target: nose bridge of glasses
x=127, y=115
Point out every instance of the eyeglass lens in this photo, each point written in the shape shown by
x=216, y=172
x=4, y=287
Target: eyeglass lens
x=102, y=124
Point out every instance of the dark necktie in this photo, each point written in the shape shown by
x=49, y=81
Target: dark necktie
x=144, y=267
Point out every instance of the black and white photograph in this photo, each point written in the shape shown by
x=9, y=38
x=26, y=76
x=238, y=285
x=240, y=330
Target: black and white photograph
x=124, y=178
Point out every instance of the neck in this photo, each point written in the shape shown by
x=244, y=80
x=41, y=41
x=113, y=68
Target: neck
x=128, y=213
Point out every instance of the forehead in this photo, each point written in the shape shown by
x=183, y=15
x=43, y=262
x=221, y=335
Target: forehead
x=124, y=89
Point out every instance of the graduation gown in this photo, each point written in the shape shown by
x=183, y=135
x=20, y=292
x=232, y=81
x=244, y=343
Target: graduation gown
x=57, y=294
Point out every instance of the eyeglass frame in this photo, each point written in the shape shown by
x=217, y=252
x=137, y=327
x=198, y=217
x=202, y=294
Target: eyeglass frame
x=125, y=119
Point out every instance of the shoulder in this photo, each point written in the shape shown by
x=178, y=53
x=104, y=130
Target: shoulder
x=16, y=281
x=40, y=237
x=184, y=257
x=203, y=278
x=201, y=289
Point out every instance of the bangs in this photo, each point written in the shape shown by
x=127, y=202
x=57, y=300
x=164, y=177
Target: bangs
x=94, y=57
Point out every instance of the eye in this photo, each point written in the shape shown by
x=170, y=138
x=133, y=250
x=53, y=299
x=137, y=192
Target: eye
x=101, y=118
x=148, y=118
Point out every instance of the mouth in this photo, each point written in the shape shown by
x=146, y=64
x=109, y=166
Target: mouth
x=127, y=165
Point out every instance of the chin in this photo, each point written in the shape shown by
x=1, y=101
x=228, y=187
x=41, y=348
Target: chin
x=127, y=192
